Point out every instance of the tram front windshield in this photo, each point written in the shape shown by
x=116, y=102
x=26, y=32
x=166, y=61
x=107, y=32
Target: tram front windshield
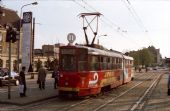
x=68, y=60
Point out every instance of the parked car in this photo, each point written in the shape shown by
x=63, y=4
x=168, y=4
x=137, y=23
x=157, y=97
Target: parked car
x=4, y=77
x=155, y=68
x=2, y=74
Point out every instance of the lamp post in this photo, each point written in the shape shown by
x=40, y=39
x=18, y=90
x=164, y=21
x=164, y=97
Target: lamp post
x=100, y=36
x=18, y=56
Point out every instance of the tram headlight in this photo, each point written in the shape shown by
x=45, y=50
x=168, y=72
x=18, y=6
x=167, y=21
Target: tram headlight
x=66, y=83
x=61, y=75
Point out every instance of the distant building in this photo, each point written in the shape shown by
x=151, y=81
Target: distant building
x=38, y=52
x=48, y=50
x=167, y=61
x=158, y=57
x=56, y=50
x=51, y=51
x=8, y=16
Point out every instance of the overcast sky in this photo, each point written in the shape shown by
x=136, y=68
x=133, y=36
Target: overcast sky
x=129, y=24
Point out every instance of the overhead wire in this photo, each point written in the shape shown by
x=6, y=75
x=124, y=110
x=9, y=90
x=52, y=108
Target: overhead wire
x=109, y=23
x=118, y=29
x=137, y=18
x=108, y=20
x=81, y=5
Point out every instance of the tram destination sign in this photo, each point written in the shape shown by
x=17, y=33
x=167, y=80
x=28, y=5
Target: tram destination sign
x=68, y=51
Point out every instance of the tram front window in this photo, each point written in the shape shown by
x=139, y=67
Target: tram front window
x=68, y=63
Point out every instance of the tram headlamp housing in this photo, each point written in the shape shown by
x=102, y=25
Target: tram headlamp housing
x=66, y=83
x=61, y=75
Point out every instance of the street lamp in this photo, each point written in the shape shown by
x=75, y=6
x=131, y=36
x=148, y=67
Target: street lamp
x=18, y=56
x=100, y=36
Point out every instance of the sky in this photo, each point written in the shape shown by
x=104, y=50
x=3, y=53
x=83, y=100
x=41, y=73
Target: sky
x=128, y=24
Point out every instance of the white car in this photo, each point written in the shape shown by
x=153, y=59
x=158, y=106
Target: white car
x=4, y=78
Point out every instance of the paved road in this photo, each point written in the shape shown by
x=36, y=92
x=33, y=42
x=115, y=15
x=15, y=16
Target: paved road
x=119, y=99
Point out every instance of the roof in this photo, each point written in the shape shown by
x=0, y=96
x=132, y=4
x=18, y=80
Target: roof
x=8, y=16
x=95, y=51
x=38, y=52
x=128, y=57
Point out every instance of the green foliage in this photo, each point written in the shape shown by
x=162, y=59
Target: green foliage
x=152, y=49
x=144, y=57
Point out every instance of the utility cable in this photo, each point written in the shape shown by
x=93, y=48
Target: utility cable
x=110, y=24
x=118, y=29
x=136, y=18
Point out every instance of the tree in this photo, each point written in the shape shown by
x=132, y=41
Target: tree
x=135, y=55
x=152, y=49
x=142, y=57
x=145, y=57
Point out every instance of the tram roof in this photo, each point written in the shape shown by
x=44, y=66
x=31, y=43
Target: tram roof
x=128, y=57
x=95, y=51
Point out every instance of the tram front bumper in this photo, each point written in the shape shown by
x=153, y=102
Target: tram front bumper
x=68, y=89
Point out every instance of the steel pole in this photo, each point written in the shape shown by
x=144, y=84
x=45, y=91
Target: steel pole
x=9, y=73
x=33, y=39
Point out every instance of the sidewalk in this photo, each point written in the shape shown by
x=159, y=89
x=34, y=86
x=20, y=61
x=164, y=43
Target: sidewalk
x=34, y=94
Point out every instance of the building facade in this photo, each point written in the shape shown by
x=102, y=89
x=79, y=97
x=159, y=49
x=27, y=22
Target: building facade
x=8, y=17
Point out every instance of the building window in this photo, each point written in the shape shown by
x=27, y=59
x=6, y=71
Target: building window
x=1, y=63
x=15, y=65
x=7, y=63
x=0, y=37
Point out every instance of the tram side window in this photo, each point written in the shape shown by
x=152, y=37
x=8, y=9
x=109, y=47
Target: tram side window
x=117, y=63
x=131, y=63
x=120, y=63
x=68, y=62
x=82, y=60
x=93, y=63
x=127, y=63
x=109, y=63
x=103, y=63
x=113, y=63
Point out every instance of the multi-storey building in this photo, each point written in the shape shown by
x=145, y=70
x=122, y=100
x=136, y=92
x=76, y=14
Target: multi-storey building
x=47, y=51
x=8, y=16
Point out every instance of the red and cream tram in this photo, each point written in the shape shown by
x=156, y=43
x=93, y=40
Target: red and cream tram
x=88, y=71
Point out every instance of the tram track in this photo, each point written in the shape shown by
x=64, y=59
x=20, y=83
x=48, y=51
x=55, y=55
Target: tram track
x=75, y=106
x=112, y=100
x=92, y=102
x=141, y=103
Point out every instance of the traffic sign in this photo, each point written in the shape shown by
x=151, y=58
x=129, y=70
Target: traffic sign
x=71, y=37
